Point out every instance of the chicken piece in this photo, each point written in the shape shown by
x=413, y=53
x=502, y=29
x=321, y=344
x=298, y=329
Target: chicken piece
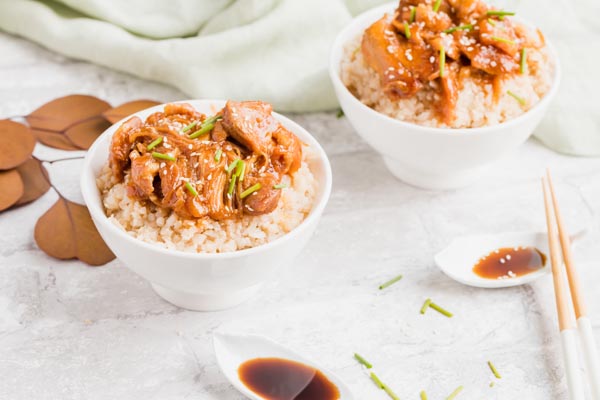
x=144, y=169
x=432, y=21
x=218, y=134
x=251, y=124
x=447, y=103
x=264, y=200
x=499, y=34
x=468, y=11
x=121, y=146
x=487, y=58
x=185, y=109
x=286, y=156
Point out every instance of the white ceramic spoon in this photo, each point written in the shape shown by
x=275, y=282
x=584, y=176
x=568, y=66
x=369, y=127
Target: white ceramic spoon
x=232, y=350
x=458, y=259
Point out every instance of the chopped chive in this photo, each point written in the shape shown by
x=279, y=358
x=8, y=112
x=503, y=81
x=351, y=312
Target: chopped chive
x=423, y=395
x=232, y=165
x=442, y=61
x=504, y=40
x=212, y=120
x=523, y=61
x=413, y=14
x=191, y=189
x=390, y=282
x=232, y=184
x=202, y=131
x=163, y=156
x=339, y=114
x=218, y=155
x=500, y=13
x=250, y=190
x=440, y=310
x=406, y=30
x=155, y=143
x=390, y=393
x=425, y=306
x=494, y=370
x=516, y=97
x=466, y=27
x=492, y=22
x=240, y=169
x=361, y=360
x=188, y=127
x=491, y=384
x=437, y=5
x=280, y=186
x=455, y=393
x=377, y=381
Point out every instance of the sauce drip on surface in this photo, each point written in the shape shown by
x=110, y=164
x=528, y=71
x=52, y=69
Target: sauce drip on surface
x=281, y=379
x=510, y=262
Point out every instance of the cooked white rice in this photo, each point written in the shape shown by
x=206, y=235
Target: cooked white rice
x=475, y=106
x=163, y=227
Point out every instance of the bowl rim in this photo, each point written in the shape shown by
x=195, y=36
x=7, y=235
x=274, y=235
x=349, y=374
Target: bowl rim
x=88, y=186
x=337, y=53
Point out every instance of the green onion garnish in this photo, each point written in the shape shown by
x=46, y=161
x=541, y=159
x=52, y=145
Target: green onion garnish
x=232, y=184
x=232, y=165
x=500, y=13
x=437, y=4
x=466, y=27
x=163, y=156
x=523, y=61
x=425, y=306
x=390, y=282
x=240, y=169
x=155, y=143
x=390, y=393
x=250, y=190
x=455, y=393
x=191, y=189
x=218, y=155
x=492, y=22
x=504, y=40
x=423, y=395
x=440, y=310
x=188, y=127
x=377, y=381
x=442, y=61
x=361, y=360
x=383, y=386
x=212, y=120
x=280, y=186
x=494, y=370
x=406, y=30
x=339, y=114
x=413, y=14
x=203, y=130
x=491, y=384
x=518, y=98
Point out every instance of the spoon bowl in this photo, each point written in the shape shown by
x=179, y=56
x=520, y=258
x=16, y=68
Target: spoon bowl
x=232, y=350
x=458, y=259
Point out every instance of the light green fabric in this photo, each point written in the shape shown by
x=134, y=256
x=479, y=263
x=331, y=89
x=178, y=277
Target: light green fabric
x=278, y=50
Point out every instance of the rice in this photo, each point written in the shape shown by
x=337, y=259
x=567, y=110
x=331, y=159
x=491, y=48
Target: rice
x=163, y=227
x=475, y=106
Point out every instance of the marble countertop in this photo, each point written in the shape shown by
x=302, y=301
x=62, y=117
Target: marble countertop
x=68, y=331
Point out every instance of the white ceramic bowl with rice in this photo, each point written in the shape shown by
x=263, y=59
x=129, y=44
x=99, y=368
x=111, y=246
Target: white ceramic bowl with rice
x=419, y=150
x=237, y=259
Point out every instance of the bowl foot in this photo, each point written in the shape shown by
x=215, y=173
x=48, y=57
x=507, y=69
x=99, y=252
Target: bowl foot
x=433, y=181
x=205, y=301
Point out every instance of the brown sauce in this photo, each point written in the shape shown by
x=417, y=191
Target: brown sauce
x=281, y=379
x=510, y=262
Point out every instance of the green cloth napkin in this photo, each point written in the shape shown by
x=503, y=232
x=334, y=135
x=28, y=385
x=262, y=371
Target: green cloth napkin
x=278, y=50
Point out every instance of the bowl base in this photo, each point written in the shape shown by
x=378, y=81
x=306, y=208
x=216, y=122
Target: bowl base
x=435, y=181
x=205, y=301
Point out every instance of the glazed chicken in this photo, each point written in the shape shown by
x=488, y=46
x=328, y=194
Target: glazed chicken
x=436, y=43
x=222, y=166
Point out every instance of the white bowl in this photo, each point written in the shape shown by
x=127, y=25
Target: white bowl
x=431, y=158
x=203, y=281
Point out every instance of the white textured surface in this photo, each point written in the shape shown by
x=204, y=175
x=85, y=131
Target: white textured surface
x=68, y=331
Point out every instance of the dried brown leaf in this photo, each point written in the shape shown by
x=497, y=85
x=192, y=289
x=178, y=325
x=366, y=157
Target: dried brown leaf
x=35, y=181
x=56, y=140
x=116, y=114
x=67, y=231
x=64, y=112
x=11, y=188
x=16, y=145
x=84, y=134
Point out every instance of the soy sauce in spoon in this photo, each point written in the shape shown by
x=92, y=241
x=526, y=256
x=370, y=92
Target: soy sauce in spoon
x=510, y=262
x=281, y=379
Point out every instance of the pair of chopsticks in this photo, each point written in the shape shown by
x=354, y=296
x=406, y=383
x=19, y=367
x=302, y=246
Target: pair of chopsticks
x=568, y=328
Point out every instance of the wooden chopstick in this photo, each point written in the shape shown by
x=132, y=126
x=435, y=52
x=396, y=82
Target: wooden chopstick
x=568, y=334
x=584, y=324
